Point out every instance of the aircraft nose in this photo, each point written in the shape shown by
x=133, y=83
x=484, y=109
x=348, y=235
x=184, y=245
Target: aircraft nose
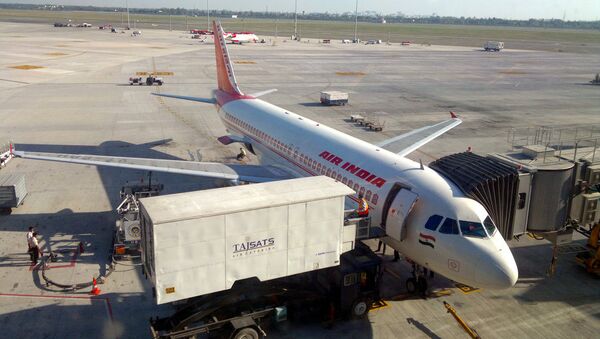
x=498, y=272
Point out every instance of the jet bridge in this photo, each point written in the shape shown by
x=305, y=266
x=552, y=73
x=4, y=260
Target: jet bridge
x=493, y=184
x=537, y=189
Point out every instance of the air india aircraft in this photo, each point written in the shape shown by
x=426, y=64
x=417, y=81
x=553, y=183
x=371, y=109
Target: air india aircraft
x=425, y=216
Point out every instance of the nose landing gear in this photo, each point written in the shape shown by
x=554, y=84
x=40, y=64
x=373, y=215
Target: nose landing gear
x=418, y=283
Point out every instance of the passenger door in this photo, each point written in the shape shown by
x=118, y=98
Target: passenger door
x=397, y=208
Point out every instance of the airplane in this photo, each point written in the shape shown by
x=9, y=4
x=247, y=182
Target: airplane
x=426, y=217
x=240, y=37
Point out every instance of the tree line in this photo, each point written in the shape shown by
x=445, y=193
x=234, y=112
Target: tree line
x=347, y=16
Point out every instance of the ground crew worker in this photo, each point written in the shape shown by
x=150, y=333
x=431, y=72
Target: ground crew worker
x=29, y=243
x=35, y=248
x=363, y=207
x=242, y=154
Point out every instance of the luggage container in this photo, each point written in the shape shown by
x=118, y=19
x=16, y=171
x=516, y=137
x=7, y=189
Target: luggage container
x=203, y=242
x=12, y=190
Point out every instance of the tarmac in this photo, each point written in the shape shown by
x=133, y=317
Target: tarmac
x=79, y=101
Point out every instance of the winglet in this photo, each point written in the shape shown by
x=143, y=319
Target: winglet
x=453, y=115
x=225, y=75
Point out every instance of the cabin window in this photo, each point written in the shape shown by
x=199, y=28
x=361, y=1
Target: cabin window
x=450, y=226
x=375, y=198
x=368, y=196
x=433, y=222
x=472, y=229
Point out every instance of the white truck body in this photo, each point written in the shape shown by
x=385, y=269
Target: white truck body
x=334, y=98
x=203, y=242
x=493, y=46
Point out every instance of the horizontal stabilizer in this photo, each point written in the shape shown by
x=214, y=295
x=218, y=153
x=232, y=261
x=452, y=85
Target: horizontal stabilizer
x=261, y=93
x=183, y=97
x=406, y=143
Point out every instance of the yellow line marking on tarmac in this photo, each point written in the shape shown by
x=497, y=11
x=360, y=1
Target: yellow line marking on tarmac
x=26, y=67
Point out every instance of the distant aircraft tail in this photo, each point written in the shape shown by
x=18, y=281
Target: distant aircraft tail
x=225, y=75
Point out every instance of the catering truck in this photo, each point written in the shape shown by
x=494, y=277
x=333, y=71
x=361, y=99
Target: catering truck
x=237, y=258
x=495, y=46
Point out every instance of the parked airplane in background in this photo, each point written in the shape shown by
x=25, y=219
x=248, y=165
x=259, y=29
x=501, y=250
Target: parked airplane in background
x=240, y=37
x=426, y=217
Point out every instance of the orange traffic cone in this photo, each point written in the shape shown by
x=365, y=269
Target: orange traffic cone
x=95, y=289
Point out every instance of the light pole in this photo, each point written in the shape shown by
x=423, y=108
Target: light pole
x=127, y=5
x=295, y=19
x=356, y=23
x=207, y=17
x=170, y=27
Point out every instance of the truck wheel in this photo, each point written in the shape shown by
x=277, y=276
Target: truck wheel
x=360, y=308
x=246, y=333
x=411, y=285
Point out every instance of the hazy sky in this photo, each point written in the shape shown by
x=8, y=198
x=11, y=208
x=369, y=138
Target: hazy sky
x=513, y=9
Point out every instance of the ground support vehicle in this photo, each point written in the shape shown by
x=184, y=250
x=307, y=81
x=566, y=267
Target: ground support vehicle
x=136, y=80
x=333, y=98
x=251, y=307
x=151, y=80
x=495, y=46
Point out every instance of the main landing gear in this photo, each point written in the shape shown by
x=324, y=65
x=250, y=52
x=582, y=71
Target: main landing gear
x=418, y=283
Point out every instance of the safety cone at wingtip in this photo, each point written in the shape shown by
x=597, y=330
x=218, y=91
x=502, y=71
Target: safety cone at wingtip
x=95, y=289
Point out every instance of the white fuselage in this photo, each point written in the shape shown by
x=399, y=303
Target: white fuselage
x=305, y=147
x=241, y=37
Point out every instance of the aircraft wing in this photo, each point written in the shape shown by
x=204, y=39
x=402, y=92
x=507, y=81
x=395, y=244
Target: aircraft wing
x=406, y=143
x=250, y=173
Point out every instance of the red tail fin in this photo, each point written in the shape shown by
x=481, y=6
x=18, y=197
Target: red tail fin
x=225, y=76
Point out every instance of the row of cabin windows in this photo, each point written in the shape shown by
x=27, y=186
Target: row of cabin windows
x=307, y=161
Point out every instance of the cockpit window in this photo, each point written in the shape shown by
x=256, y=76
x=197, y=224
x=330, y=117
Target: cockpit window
x=449, y=226
x=433, y=222
x=489, y=226
x=472, y=229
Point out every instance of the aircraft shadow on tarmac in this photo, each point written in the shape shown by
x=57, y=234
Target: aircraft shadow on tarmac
x=93, y=228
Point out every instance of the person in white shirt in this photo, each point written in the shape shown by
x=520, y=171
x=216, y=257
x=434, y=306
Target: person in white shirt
x=35, y=249
x=29, y=236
